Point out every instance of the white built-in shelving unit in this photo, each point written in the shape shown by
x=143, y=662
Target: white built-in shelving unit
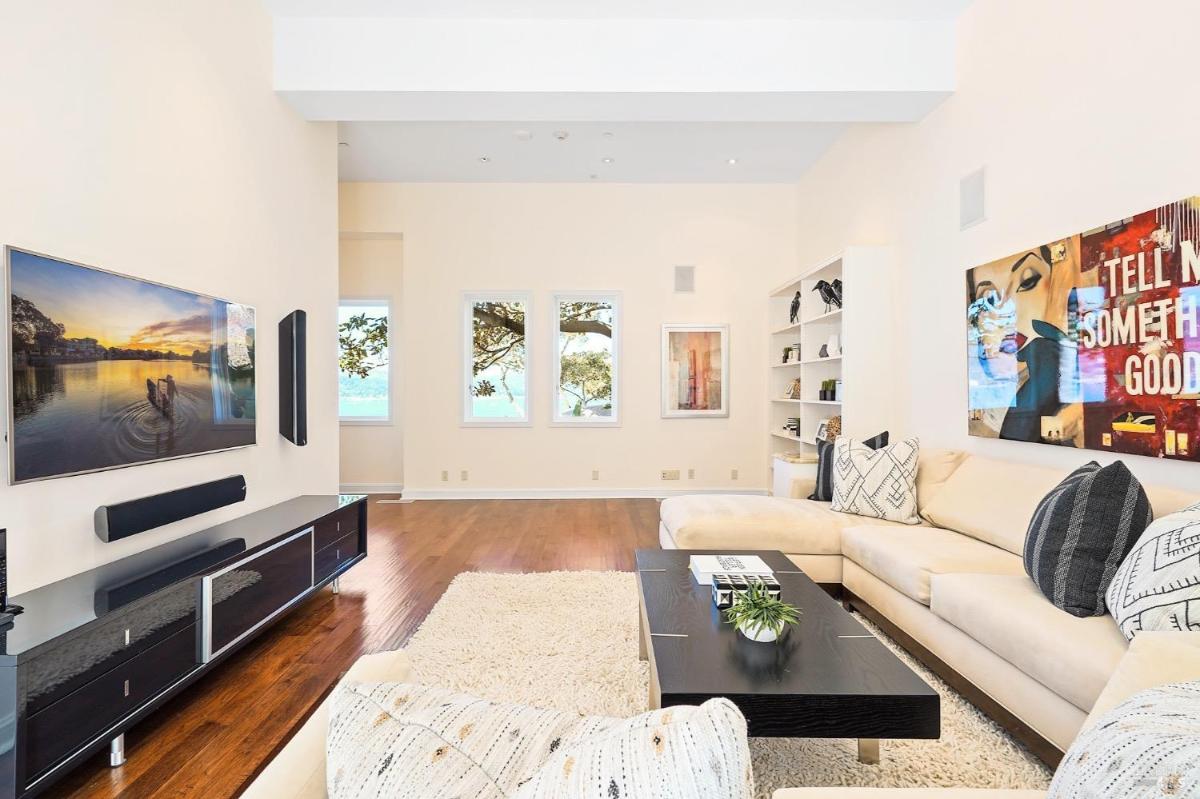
x=864, y=329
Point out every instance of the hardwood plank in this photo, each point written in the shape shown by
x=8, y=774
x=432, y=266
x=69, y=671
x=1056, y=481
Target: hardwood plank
x=211, y=740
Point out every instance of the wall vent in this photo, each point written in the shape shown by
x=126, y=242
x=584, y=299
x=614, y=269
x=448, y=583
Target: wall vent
x=971, y=194
x=685, y=279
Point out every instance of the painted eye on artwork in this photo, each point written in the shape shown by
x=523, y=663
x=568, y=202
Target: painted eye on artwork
x=1030, y=277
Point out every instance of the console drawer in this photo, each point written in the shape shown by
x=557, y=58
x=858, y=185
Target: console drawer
x=76, y=718
x=243, y=596
x=336, y=526
x=327, y=561
x=108, y=643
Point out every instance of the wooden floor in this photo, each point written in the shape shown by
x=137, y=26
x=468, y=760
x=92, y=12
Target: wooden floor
x=211, y=740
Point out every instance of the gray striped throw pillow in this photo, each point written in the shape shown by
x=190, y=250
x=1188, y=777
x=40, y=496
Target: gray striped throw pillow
x=1080, y=533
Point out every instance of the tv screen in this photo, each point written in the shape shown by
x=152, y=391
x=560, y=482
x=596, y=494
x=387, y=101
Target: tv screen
x=110, y=371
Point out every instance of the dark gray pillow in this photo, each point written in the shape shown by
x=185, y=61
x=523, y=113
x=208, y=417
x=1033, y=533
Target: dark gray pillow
x=823, y=490
x=1080, y=533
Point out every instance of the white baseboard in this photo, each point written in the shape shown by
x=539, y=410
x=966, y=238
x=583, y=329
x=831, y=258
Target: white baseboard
x=568, y=493
x=371, y=488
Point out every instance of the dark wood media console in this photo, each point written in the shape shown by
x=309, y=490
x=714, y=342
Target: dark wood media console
x=95, y=653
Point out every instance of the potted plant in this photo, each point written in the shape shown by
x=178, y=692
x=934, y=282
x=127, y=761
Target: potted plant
x=758, y=615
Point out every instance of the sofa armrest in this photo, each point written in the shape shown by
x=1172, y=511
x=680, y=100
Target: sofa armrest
x=1153, y=659
x=802, y=487
x=380, y=667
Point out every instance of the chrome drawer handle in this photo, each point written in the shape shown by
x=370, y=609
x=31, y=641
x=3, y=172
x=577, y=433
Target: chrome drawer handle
x=127, y=688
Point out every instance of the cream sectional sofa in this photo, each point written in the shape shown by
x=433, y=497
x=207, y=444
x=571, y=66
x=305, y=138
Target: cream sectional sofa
x=955, y=586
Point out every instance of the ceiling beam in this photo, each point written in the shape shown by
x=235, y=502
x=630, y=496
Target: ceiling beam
x=740, y=70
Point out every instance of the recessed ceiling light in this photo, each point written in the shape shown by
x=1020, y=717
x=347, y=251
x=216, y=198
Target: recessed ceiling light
x=608, y=134
x=523, y=135
x=732, y=161
x=608, y=159
x=483, y=159
x=593, y=176
x=561, y=135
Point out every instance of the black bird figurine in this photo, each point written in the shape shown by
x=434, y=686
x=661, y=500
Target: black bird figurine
x=795, y=307
x=828, y=295
x=837, y=289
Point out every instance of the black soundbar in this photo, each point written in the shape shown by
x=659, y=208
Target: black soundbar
x=293, y=377
x=114, y=522
x=111, y=597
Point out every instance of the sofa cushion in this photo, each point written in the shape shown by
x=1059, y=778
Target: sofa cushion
x=907, y=557
x=906, y=793
x=992, y=500
x=879, y=483
x=1153, y=659
x=1080, y=533
x=823, y=490
x=1071, y=656
x=1157, y=587
x=743, y=521
x=934, y=467
x=1148, y=746
x=677, y=753
x=402, y=739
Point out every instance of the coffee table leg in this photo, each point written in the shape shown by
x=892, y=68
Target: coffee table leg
x=868, y=751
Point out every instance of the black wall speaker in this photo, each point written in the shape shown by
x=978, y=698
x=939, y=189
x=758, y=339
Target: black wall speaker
x=114, y=522
x=293, y=375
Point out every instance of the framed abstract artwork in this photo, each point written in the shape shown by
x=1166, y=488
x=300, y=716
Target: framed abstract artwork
x=1092, y=341
x=695, y=370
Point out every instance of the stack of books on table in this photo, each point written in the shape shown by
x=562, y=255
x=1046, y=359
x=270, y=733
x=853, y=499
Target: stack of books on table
x=703, y=567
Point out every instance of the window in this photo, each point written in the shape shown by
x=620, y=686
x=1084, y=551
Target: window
x=496, y=359
x=364, y=356
x=585, y=368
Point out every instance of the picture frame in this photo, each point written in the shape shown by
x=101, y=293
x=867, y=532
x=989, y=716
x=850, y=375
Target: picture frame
x=695, y=371
x=822, y=429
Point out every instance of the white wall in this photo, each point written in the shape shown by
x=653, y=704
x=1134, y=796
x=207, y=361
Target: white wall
x=144, y=137
x=548, y=238
x=372, y=454
x=1079, y=110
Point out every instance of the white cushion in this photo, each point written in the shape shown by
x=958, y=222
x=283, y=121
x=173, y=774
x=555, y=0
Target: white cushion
x=878, y=483
x=1148, y=746
x=934, y=467
x=1157, y=587
x=405, y=740
x=740, y=521
x=905, y=793
x=907, y=557
x=992, y=500
x=677, y=753
x=1153, y=659
x=1073, y=657
x=408, y=741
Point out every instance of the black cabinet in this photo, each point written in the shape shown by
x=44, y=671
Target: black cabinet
x=245, y=595
x=77, y=670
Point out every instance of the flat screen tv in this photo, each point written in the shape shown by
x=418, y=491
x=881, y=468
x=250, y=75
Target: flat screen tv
x=109, y=371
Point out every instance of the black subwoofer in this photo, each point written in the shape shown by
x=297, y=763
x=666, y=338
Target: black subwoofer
x=293, y=374
x=114, y=522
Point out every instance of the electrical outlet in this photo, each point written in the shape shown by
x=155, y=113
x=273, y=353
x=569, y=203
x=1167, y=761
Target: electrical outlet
x=733, y=474
x=595, y=474
x=445, y=476
x=691, y=474
x=463, y=475
x=670, y=474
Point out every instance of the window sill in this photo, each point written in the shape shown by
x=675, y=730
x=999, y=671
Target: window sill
x=495, y=423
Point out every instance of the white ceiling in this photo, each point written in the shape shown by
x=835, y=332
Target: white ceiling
x=641, y=152
x=622, y=9
x=423, y=89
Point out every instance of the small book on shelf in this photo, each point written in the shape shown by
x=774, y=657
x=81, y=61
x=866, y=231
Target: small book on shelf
x=703, y=567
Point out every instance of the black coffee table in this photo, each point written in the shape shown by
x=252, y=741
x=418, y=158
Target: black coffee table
x=828, y=677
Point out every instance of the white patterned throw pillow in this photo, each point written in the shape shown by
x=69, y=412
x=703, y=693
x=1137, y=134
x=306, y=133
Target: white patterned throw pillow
x=1148, y=746
x=1157, y=586
x=408, y=741
x=880, y=483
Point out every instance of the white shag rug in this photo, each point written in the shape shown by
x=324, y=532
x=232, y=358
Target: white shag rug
x=568, y=640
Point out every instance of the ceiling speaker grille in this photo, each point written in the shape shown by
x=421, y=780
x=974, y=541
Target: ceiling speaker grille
x=971, y=194
x=685, y=279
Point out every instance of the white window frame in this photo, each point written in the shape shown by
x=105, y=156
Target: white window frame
x=466, y=350
x=378, y=421
x=557, y=419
